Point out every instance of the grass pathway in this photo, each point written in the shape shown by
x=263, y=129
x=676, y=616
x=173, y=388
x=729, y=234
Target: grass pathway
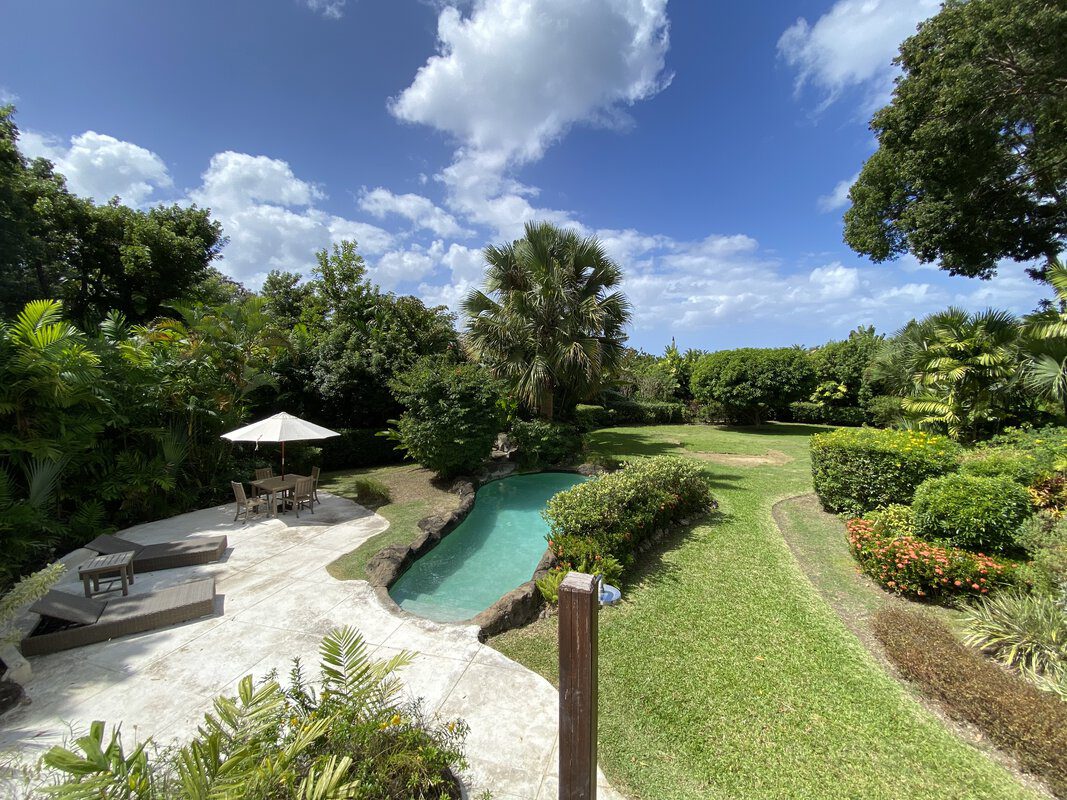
x=725, y=675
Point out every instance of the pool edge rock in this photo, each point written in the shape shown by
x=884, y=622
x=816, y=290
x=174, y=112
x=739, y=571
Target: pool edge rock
x=518, y=607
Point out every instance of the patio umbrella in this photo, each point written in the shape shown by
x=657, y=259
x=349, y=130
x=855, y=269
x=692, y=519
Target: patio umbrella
x=280, y=428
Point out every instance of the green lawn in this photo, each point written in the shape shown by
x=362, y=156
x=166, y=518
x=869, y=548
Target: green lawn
x=414, y=495
x=725, y=674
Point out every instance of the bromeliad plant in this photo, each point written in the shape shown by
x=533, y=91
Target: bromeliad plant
x=352, y=739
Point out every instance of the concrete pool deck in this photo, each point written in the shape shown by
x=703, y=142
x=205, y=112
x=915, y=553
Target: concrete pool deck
x=276, y=602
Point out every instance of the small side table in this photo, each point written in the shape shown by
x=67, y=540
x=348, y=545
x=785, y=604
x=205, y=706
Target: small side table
x=109, y=567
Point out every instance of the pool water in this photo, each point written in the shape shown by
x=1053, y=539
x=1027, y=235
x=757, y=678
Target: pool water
x=494, y=550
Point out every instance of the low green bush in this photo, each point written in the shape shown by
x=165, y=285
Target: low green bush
x=1024, y=631
x=856, y=470
x=1007, y=462
x=980, y=514
x=884, y=411
x=647, y=412
x=357, y=447
x=1048, y=445
x=548, y=586
x=912, y=567
x=589, y=418
x=613, y=514
x=369, y=492
x=1029, y=724
x=819, y=413
x=542, y=443
x=893, y=520
x=354, y=737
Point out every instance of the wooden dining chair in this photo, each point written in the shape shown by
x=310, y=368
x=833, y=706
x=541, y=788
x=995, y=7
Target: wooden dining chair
x=246, y=505
x=315, y=484
x=303, y=495
x=262, y=474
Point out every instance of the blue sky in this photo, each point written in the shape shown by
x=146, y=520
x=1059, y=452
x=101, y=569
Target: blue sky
x=708, y=144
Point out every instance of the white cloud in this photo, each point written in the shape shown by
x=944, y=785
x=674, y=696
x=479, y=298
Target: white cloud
x=834, y=281
x=100, y=166
x=852, y=44
x=420, y=210
x=838, y=196
x=409, y=265
x=331, y=9
x=236, y=180
x=513, y=76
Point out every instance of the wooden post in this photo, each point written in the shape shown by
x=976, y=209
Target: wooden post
x=578, y=606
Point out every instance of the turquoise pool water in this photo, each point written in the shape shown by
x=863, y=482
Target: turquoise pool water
x=493, y=550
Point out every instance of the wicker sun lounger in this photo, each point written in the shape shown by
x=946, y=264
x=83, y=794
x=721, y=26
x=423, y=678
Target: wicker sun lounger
x=68, y=620
x=166, y=555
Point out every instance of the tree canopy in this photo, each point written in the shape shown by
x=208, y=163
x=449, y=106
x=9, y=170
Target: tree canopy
x=971, y=166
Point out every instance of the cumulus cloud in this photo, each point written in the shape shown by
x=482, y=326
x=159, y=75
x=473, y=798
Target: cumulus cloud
x=408, y=265
x=852, y=44
x=331, y=9
x=838, y=196
x=512, y=76
x=421, y=210
x=100, y=166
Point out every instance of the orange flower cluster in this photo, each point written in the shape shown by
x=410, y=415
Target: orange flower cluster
x=911, y=566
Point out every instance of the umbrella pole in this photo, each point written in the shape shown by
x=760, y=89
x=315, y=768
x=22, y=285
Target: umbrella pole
x=283, y=459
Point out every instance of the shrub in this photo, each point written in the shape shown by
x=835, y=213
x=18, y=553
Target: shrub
x=370, y=492
x=753, y=383
x=1025, y=631
x=804, y=411
x=1047, y=445
x=589, y=418
x=617, y=512
x=970, y=512
x=358, y=447
x=1049, y=493
x=910, y=566
x=1017, y=465
x=540, y=442
x=884, y=411
x=1017, y=717
x=856, y=470
x=606, y=566
x=646, y=412
x=893, y=520
x=452, y=416
x=1044, y=537
x=355, y=738
x=548, y=586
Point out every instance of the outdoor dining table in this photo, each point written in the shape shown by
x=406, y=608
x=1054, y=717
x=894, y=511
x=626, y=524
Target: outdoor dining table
x=275, y=486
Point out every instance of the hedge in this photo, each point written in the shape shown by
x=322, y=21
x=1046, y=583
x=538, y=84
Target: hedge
x=1017, y=717
x=829, y=415
x=647, y=412
x=913, y=567
x=971, y=512
x=613, y=514
x=856, y=470
x=589, y=418
x=358, y=447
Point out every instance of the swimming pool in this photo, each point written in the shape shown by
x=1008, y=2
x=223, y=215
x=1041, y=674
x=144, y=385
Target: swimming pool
x=494, y=550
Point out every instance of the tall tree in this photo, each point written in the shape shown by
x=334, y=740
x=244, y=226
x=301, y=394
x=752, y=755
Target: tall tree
x=550, y=320
x=971, y=165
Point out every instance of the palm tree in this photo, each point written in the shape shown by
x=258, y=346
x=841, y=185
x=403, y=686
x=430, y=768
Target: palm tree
x=967, y=360
x=1045, y=343
x=550, y=319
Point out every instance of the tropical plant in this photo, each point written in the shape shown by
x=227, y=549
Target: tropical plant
x=28, y=590
x=1044, y=342
x=1025, y=631
x=550, y=318
x=967, y=364
x=351, y=739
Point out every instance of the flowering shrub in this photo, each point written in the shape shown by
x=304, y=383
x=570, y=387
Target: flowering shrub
x=856, y=470
x=893, y=520
x=984, y=462
x=910, y=566
x=613, y=514
x=971, y=512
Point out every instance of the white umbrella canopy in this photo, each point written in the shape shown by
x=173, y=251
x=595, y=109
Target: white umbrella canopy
x=281, y=428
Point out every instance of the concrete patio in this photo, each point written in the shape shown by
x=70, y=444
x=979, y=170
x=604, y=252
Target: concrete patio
x=276, y=601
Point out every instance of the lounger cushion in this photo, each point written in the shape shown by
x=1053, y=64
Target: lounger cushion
x=107, y=545
x=69, y=607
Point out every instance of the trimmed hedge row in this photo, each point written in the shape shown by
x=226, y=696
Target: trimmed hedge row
x=910, y=566
x=613, y=514
x=971, y=512
x=856, y=470
x=630, y=412
x=827, y=415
